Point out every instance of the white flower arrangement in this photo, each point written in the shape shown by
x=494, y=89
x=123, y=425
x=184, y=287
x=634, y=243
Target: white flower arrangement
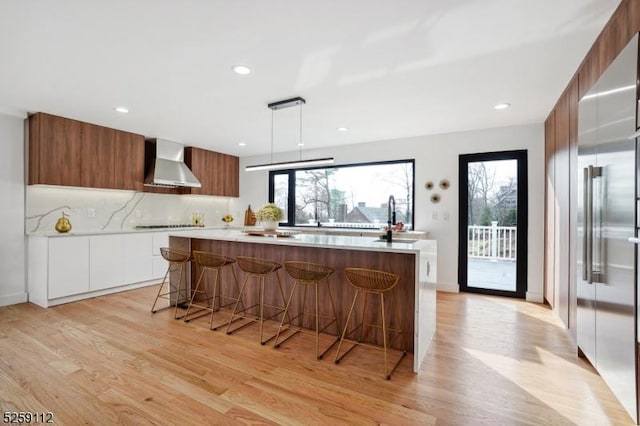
x=269, y=213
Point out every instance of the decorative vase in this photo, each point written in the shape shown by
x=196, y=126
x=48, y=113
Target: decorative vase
x=63, y=224
x=270, y=225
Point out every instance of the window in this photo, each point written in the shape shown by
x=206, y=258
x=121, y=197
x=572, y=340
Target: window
x=345, y=196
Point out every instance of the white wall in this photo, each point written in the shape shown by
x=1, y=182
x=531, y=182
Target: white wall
x=436, y=158
x=12, y=243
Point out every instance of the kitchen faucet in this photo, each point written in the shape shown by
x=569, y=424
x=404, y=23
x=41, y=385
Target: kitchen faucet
x=391, y=216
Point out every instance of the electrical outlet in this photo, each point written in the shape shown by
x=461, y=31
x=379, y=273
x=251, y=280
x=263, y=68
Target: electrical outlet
x=91, y=212
x=434, y=215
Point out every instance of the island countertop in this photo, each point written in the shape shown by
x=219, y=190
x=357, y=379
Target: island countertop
x=368, y=243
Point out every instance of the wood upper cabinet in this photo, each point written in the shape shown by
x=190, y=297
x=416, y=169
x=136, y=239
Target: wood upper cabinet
x=97, y=159
x=68, y=152
x=218, y=173
x=129, y=161
x=55, y=150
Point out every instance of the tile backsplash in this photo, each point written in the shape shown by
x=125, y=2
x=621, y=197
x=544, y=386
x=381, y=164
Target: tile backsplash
x=110, y=210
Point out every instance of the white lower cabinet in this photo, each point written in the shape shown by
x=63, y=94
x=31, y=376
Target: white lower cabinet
x=68, y=266
x=137, y=262
x=105, y=261
x=159, y=265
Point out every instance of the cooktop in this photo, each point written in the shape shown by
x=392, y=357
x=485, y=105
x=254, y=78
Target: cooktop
x=166, y=226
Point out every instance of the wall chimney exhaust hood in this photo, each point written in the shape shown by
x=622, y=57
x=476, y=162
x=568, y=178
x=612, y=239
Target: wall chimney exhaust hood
x=165, y=167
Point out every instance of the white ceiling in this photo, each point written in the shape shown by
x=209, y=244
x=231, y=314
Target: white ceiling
x=384, y=69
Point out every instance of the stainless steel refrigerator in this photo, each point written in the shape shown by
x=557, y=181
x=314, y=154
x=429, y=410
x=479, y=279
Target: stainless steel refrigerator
x=606, y=227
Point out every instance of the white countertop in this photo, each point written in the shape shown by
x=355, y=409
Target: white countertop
x=367, y=233
x=367, y=243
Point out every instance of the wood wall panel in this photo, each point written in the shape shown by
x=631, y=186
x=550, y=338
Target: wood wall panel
x=34, y=149
x=561, y=221
x=588, y=74
x=342, y=292
x=549, y=219
x=561, y=129
x=622, y=26
x=570, y=298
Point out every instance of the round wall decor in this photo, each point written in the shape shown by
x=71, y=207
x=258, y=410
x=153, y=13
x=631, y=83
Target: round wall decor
x=444, y=184
x=435, y=198
x=429, y=185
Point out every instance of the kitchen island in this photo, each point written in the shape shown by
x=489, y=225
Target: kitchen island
x=413, y=260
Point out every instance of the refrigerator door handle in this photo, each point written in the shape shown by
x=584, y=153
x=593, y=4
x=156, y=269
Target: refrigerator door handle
x=589, y=224
x=585, y=203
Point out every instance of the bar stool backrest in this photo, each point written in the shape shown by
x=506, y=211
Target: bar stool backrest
x=253, y=265
x=371, y=280
x=211, y=260
x=307, y=271
x=174, y=255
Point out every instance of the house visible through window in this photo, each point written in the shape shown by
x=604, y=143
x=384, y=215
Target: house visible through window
x=345, y=196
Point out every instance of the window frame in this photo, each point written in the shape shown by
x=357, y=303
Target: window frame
x=291, y=199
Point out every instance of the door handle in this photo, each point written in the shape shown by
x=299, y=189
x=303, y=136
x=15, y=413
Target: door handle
x=594, y=275
x=585, y=203
x=589, y=224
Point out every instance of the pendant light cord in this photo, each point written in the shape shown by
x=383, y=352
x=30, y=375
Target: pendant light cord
x=272, y=111
x=300, y=140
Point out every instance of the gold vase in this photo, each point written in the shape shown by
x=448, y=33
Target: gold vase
x=63, y=224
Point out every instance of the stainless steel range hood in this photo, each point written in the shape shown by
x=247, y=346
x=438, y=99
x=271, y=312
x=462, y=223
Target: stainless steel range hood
x=165, y=165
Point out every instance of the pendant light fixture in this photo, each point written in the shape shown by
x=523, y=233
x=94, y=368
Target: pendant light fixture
x=274, y=106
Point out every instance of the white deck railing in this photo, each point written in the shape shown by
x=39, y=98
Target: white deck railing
x=492, y=242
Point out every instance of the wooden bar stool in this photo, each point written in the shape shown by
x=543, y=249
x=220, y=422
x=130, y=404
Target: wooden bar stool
x=308, y=274
x=210, y=262
x=177, y=262
x=369, y=281
x=260, y=269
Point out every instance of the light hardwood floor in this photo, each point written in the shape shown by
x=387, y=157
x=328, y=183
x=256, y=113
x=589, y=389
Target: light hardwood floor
x=109, y=361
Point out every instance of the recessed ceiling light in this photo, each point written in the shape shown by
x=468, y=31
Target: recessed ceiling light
x=242, y=144
x=342, y=129
x=122, y=110
x=502, y=106
x=241, y=69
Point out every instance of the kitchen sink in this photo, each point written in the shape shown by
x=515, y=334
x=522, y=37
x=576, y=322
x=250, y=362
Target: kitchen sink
x=396, y=240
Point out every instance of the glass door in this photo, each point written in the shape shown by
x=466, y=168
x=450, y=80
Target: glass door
x=493, y=223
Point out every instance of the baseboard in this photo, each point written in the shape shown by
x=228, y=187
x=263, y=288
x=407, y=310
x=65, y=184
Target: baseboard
x=12, y=299
x=448, y=287
x=535, y=297
x=89, y=295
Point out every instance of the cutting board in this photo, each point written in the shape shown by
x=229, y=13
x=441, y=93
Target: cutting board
x=263, y=233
